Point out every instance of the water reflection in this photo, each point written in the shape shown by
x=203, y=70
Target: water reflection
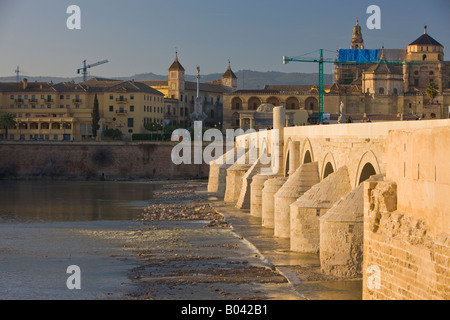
x=27, y=201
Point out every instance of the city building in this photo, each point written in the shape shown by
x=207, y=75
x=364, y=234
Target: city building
x=180, y=95
x=63, y=111
x=390, y=87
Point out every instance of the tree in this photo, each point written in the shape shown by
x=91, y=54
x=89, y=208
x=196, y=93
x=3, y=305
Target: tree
x=95, y=117
x=432, y=91
x=113, y=134
x=7, y=120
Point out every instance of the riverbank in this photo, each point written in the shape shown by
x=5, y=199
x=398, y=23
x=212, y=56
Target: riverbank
x=267, y=269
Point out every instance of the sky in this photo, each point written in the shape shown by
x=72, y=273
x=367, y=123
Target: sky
x=141, y=36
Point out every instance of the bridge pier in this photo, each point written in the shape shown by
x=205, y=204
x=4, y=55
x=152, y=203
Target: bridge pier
x=234, y=177
x=218, y=173
x=306, y=211
x=271, y=186
x=256, y=188
x=243, y=202
x=341, y=236
x=297, y=184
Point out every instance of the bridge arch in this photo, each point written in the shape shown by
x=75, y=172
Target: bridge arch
x=307, y=155
x=368, y=165
x=286, y=164
x=328, y=165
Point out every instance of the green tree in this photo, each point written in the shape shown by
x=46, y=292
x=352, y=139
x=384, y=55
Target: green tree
x=7, y=120
x=113, y=134
x=152, y=126
x=432, y=91
x=95, y=117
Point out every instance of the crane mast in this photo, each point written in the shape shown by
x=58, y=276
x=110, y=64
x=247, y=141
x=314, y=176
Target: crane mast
x=84, y=69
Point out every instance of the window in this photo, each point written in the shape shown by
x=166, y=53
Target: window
x=416, y=82
x=11, y=97
x=131, y=96
x=424, y=57
x=111, y=108
x=381, y=90
x=111, y=96
x=395, y=91
x=130, y=122
x=61, y=96
x=67, y=97
x=131, y=108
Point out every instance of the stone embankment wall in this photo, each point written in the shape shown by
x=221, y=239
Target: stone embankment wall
x=94, y=161
x=407, y=219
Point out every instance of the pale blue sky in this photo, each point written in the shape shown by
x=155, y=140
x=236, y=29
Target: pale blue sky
x=139, y=36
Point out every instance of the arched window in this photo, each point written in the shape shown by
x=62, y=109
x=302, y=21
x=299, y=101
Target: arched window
x=381, y=90
x=424, y=57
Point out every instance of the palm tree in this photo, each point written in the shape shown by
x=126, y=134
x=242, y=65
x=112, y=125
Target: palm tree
x=7, y=120
x=432, y=91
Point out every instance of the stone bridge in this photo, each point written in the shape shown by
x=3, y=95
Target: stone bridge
x=369, y=198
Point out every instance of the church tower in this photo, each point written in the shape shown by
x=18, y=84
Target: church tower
x=357, y=38
x=229, y=79
x=176, y=79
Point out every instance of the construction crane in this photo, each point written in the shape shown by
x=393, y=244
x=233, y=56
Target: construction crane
x=17, y=71
x=336, y=60
x=84, y=70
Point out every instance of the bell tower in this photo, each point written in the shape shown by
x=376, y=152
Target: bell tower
x=176, y=79
x=229, y=79
x=357, y=38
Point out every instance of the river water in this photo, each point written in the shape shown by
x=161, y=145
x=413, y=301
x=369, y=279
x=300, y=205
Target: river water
x=48, y=226
x=43, y=228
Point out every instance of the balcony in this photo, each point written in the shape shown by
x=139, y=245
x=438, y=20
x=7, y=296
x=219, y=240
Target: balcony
x=121, y=112
x=33, y=101
x=19, y=101
x=77, y=100
x=121, y=100
x=48, y=100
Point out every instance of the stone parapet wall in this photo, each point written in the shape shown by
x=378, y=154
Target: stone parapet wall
x=407, y=219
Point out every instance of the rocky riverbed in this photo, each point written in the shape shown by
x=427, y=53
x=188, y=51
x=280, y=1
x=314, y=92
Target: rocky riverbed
x=186, y=250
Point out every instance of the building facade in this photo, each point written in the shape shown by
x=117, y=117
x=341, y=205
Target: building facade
x=63, y=111
x=180, y=95
x=391, y=88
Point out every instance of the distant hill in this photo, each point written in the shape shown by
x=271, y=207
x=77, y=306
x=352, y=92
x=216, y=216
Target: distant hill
x=247, y=79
